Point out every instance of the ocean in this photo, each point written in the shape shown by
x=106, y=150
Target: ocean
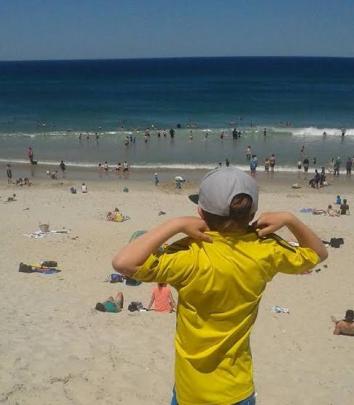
x=302, y=102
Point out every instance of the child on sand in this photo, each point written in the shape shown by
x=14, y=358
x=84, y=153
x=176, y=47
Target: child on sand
x=161, y=299
x=220, y=271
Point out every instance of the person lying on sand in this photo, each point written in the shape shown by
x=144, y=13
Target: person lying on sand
x=111, y=304
x=319, y=211
x=330, y=211
x=346, y=325
x=161, y=299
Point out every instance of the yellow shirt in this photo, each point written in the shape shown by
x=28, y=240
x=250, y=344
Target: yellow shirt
x=220, y=285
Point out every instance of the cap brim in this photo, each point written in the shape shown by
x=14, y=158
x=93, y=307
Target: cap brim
x=194, y=198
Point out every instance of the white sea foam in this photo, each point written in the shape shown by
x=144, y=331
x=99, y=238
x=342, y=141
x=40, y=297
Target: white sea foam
x=314, y=131
x=153, y=166
x=299, y=132
x=247, y=131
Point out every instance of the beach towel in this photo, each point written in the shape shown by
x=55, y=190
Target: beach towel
x=306, y=210
x=136, y=235
x=28, y=268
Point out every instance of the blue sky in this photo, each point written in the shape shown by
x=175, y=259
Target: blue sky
x=80, y=29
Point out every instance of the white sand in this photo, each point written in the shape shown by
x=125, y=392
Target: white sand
x=56, y=349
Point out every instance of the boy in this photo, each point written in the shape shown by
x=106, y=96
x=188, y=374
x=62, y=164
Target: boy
x=220, y=271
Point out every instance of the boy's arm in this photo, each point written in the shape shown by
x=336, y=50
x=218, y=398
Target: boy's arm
x=272, y=221
x=133, y=255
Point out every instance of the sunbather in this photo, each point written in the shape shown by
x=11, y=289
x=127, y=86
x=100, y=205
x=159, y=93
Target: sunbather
x=111, y=304
x=346, y=325
x=116, y=216
x=161, y=299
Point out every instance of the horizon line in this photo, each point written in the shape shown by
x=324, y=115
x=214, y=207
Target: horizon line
x=177, y=57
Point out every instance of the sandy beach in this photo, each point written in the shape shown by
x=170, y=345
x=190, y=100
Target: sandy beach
x=56, y=349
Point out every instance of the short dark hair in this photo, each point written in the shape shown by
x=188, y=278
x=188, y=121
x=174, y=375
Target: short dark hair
x=100, y=307
x=349, y=315
x=240, y=215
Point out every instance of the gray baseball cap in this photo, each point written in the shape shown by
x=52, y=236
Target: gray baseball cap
x=220, y=186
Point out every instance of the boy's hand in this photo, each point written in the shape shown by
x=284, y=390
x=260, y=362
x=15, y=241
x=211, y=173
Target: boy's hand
x=194, y=227
x=270, y=222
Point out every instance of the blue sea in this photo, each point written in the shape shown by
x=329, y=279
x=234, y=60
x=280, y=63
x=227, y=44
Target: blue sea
x=302, y=102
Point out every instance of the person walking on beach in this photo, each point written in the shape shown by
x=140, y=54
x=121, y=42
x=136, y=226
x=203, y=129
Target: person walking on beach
x=234, y=133
x=172, y=133
x=118, y=168
x=220, y=271
x=272, y=162
x=30, y=154
x=156, y=179
x=323, y=177
x=62, y=167
x=266, y=164
x=265, y=132
x=348, y=166
x=227, y=162
x=248, y=152
x=9, y=173
x=125, y=167
x=306, y=164
x=336, y=166
x=253, y=165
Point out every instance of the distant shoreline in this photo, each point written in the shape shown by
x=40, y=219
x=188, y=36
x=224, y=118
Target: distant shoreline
x=268, y=182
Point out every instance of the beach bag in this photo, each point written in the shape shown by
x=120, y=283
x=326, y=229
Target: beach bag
x=116, y=278
x=336, y=242
x=132, y=282
x=26, y=268
x=135, y=306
